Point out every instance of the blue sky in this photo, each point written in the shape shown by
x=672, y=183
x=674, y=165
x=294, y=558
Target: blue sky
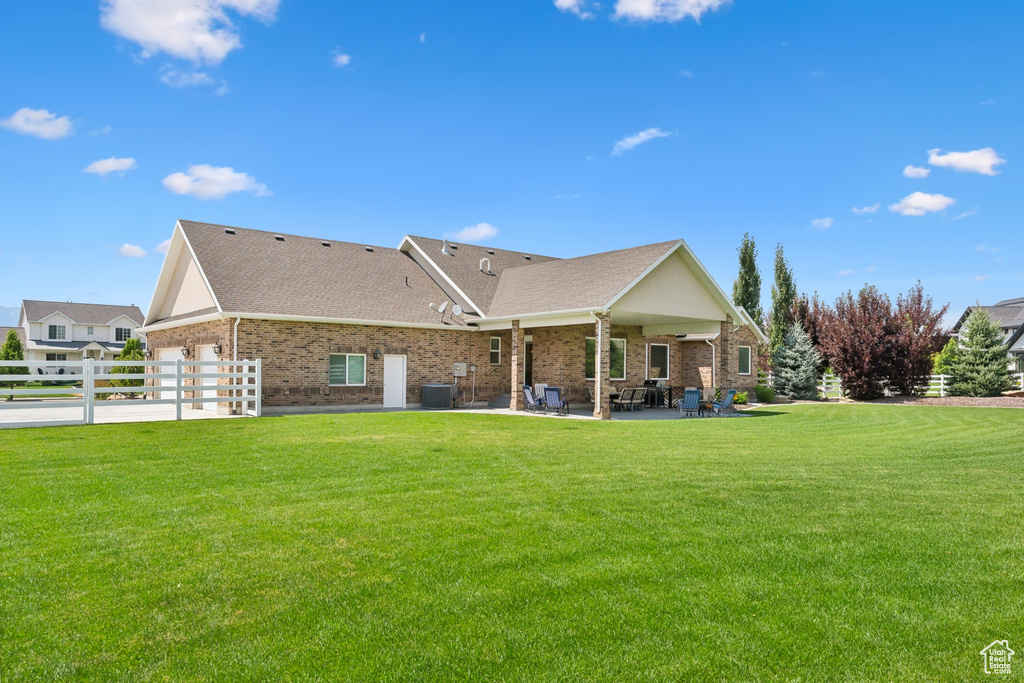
x=564, y=128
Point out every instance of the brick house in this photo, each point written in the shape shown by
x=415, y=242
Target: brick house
x=341, y=326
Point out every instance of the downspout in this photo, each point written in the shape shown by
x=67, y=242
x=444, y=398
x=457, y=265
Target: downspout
x=709, y=343
x=234, y=357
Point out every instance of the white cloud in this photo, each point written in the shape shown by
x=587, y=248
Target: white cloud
x=339, y=59
x=197, y=30
x=920, y=203
x=686, y=73
x=822, y=223
x=985, y=247
x=988, y=103
x=577, y=7
x=105, y=130
x=164, y=246
x=982, y=277
x=474, y=233
x=665, y=10
x=183, y=79
x=965, y=214
x=213, y=182
x=844, y=273
x=860, y=210
x=981, y=161
x=423, y=37
x=111, y=165
x=628, y=143
x=870, y=269
x=912, y=171
x=39, y=123
x=131, y=251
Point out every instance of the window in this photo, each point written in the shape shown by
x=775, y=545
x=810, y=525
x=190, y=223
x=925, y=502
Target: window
x=122, y=334
x=347, y=370
x=618, y=358
x=58, y=332
x=657, y=362
x=495, y=350
x=56, y=356
x=88, y=330
x=744, y=360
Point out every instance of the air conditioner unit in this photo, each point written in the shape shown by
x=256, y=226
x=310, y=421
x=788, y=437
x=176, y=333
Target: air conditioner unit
x=438, y=396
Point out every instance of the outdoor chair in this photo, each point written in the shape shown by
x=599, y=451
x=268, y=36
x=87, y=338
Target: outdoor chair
x=623, y=399
x=553, y=401
x=690, y=402
x=637, y=400
x=529, y=401
x=721, y=406
x=40, y=371
x=590, y=395
x=538, y=391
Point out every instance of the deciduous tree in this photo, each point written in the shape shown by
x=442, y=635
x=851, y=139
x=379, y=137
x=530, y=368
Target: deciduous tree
x=746, y=290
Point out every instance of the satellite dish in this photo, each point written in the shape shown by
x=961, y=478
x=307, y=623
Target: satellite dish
x=456, y=310
x=442, y=307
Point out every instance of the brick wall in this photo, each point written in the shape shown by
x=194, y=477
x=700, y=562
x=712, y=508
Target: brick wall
x=295, y=358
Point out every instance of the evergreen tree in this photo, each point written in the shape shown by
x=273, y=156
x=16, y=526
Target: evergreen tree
x=12, y=350
x=981, y=367
x=783, y=295
x=746, y=291
x=796, y=366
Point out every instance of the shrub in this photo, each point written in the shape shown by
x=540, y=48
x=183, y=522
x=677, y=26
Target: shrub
x=12, y=350
x=765, y=394
x=919, y=336
x=796, y=366
x=981, y=367
x=811, y=314
x=132, y=351
x=740, y=398
x=943, y=361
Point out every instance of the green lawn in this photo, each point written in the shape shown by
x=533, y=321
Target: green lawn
x=832, y=542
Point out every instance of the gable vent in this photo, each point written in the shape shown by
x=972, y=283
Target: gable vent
x=325, y=244
x=369, y=249
x=528, y=258
x=229, y=231
x=491, y=252
x=279, y=238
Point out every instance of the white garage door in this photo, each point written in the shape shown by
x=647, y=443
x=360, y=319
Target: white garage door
x=169, y=355
x=206, y=353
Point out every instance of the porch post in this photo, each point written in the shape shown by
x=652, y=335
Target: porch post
x=517, y=370
x=602, y=367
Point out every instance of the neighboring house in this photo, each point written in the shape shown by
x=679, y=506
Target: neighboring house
x=339, y=325
x=1009, y=316
x=56, y=332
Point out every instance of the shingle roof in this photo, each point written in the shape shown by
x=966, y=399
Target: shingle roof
x=1002, y=314
x=5, y=330
x=573, y=284
x=252, y=271
x=462, y=265
x=86, y=314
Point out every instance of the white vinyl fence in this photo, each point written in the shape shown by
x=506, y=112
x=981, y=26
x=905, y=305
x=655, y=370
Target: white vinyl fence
x=73, y=397
x=831, y=386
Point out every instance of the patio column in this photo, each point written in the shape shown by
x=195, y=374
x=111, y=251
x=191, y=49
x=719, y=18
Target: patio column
x=518, y=346
x=602, y=366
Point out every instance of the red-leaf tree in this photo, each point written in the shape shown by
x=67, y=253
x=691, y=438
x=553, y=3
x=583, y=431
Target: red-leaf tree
x=858, y=337
x=811, y=313
x=921, y=335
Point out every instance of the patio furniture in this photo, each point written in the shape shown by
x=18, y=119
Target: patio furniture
x=621, y=399
x=637, y=401
x=725, y=404
x=553, y=401
x=590, y=395
x=529, y=401
x=690, y=403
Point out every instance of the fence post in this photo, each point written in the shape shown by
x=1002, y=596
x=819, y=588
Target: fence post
x=88, y=385
x=178, y=367
x=259, y=387
x=942, y=386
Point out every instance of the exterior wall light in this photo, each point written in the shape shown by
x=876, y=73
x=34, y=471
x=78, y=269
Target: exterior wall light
x=377, y=354
x=184, y=352
x=216, y=349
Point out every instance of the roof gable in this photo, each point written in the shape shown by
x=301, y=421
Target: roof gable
x=83, y=314
x=577, y=284
x=254, y=272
